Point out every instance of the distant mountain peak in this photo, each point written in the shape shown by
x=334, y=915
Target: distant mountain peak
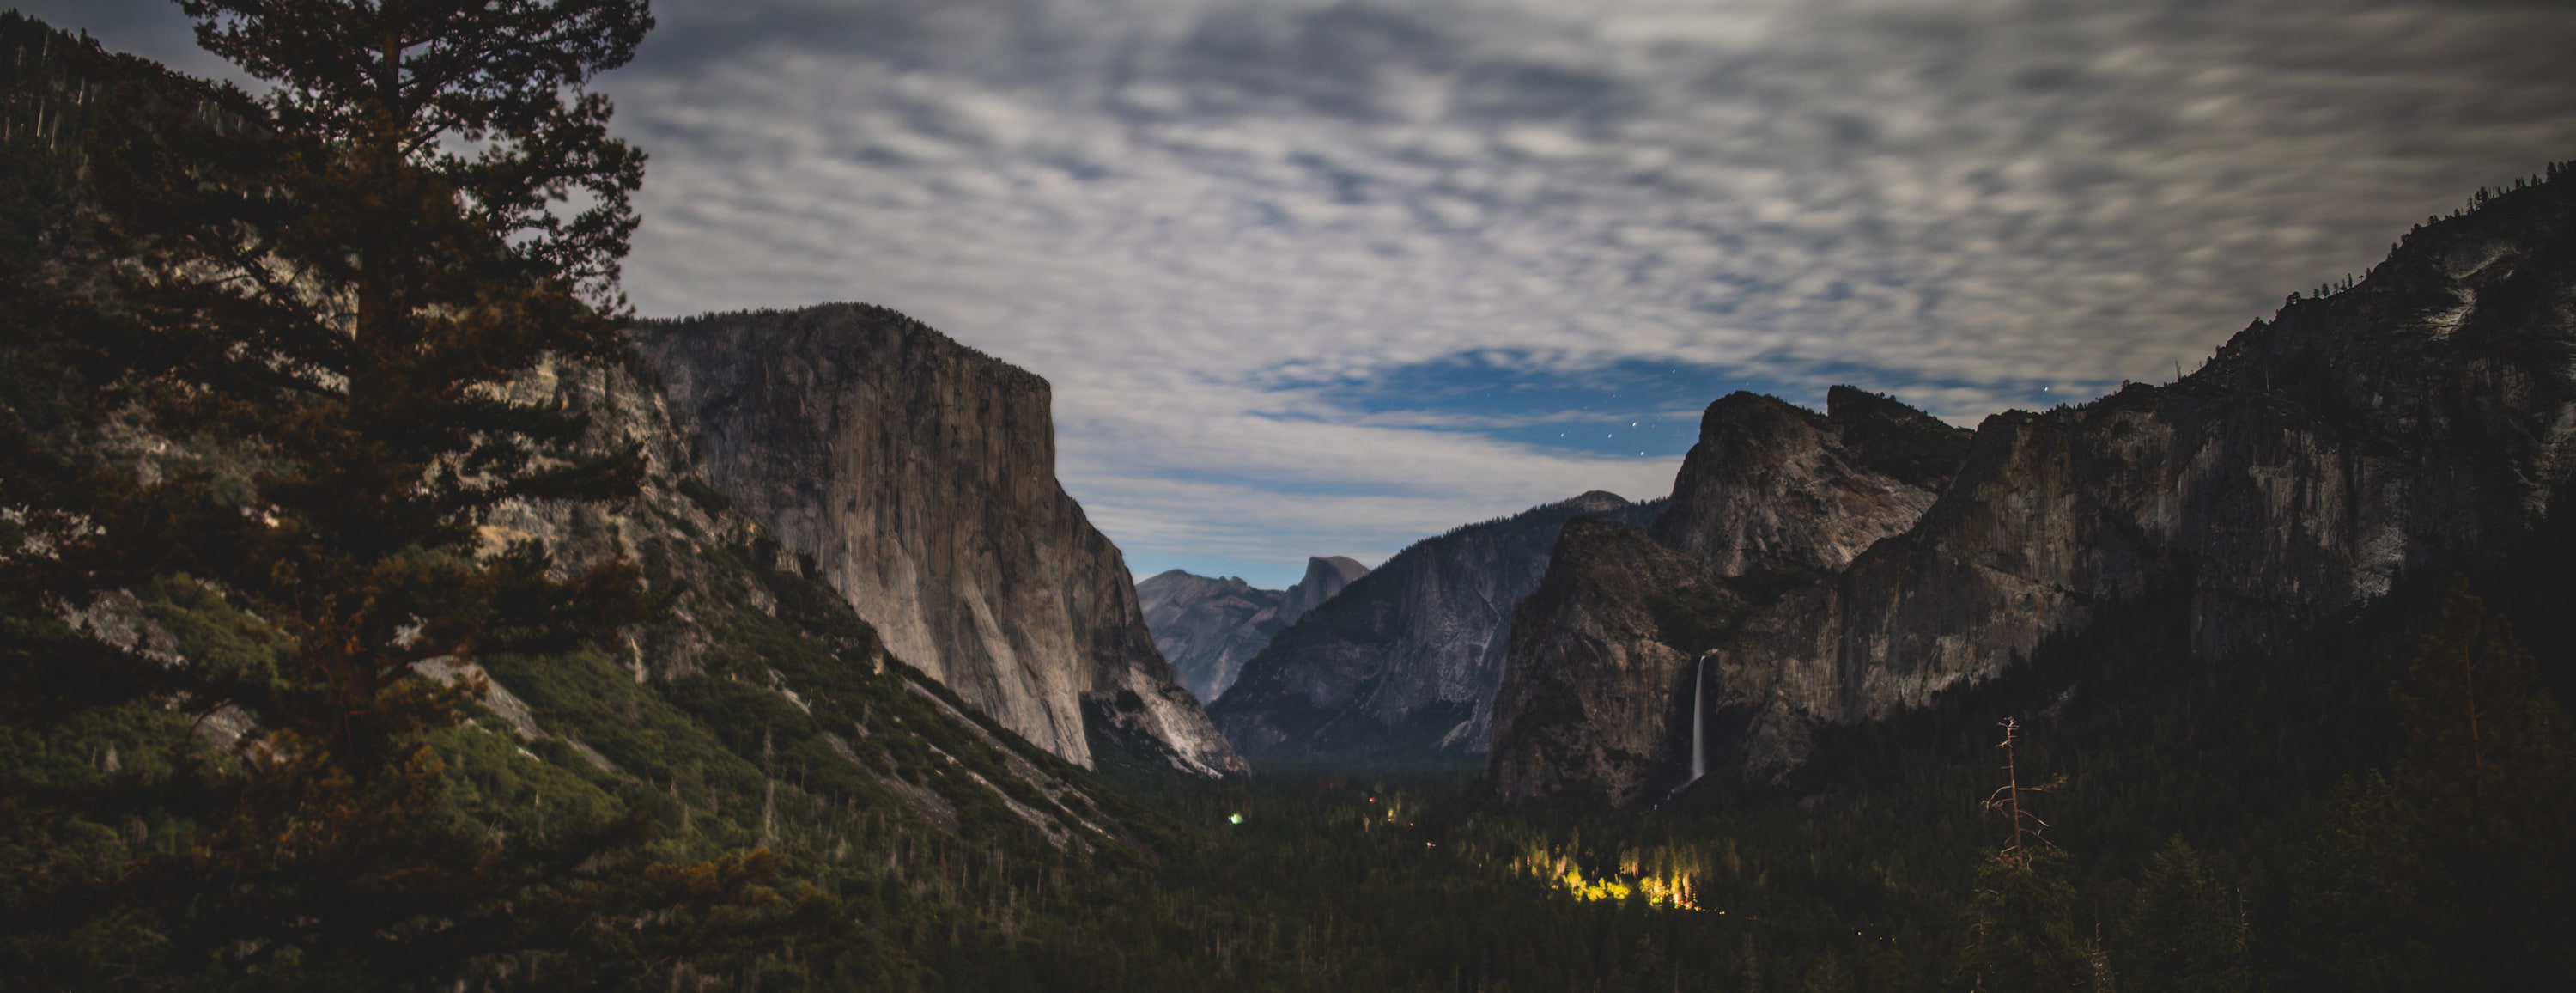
x=1595, y=501
x=1404, y=663
x=1324, y=578
x=1209, y=627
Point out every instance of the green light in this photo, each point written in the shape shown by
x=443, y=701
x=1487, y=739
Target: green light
x=1234, y=819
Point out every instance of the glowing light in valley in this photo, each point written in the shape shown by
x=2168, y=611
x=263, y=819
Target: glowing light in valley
x=1670, y=886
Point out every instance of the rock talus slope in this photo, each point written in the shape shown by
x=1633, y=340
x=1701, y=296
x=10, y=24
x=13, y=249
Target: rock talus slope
x=919, y=477
x=1404, y=663
x=2424, y=418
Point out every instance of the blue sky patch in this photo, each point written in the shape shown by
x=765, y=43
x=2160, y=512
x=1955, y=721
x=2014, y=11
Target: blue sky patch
x=1630, y=407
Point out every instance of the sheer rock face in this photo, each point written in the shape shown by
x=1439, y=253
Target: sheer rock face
x=1405, y=662
x=714, y=569
x=1325, y=577
x=1617, y=620
x=1603, y=657
x=2423, y=419
x=1209, y=628
x=1774, y=486
x=919, y=477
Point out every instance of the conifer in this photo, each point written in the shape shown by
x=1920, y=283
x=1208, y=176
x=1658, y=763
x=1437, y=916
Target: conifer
x=305, y=338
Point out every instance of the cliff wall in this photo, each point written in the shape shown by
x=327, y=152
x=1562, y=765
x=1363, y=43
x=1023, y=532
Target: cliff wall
x=2424, y=418
x=1772, y=499
x=751, y=665
x=918, y=475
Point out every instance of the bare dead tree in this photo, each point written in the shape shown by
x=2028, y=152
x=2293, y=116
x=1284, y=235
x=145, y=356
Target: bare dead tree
x=2007, y=799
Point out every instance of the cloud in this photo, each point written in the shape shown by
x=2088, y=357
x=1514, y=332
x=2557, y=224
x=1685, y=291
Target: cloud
x=1263, y=249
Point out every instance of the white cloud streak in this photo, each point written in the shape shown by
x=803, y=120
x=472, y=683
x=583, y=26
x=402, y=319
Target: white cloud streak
x=1170, y=207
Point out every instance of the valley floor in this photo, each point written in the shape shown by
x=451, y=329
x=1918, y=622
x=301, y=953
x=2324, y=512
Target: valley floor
x=2271, y=824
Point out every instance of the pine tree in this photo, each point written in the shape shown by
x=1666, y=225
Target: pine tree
x=295, y=331
x=2188, y=933
x=2487, y=776
x=2366, y=906
x=2486, y=746
x=2455, y=871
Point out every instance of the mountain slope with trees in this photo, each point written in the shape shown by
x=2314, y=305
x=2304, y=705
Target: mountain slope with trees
x=554, y=712
x=279, y=712
x=2411, y=421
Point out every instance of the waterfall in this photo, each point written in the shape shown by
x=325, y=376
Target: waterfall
x=1699, y=722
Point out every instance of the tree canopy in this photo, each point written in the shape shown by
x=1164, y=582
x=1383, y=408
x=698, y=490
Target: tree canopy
x=274, y=362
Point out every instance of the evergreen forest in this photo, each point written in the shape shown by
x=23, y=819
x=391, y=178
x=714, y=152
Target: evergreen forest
x=284, y=707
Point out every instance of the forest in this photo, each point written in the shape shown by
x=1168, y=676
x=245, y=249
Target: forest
x=254, y=427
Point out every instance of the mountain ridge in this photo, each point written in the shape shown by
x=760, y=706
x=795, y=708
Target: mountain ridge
x=1209, y=626
x=2421, y=416
x=1403, y=665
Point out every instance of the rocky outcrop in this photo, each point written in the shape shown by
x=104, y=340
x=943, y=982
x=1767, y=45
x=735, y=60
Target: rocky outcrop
x=1403, y=664
x=1325, y=578
x=1620, y=621
x=2424, y=418
x=1208, y=628
x=1772, y=497
x=1774, y=486
x=918, y=476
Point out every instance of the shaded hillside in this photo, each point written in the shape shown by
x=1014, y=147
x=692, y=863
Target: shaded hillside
x=736, y=760
x=1403, y=665
x=1209, y=628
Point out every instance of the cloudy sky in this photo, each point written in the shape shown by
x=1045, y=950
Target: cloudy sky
x=1326, y=277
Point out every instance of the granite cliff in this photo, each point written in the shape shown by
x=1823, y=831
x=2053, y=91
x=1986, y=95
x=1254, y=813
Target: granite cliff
x=1208, y=628
x=1403, y=665
x=1325, y=578
x=1604, y=656
x=918, y=478
x=754, y=663
x=2422, y=418
x=1771, y=486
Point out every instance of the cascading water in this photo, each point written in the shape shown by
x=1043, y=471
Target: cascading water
x=1699, y=722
